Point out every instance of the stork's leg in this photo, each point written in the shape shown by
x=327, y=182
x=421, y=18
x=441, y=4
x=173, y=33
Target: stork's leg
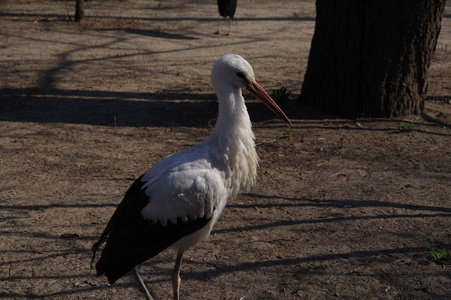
x=219, y=21
x=141, y=284
x=176, y=276
x=230, y=24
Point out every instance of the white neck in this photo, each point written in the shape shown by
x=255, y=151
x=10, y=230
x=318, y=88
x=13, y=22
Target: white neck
x=233, y=140
x=232, y=112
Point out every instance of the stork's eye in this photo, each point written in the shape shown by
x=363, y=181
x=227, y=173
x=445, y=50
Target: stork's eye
x=239, y=74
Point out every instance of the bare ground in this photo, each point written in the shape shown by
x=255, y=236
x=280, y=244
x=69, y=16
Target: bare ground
x=342, y=209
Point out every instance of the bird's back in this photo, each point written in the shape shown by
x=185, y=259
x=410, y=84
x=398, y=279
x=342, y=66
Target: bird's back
x=191, y=185
x=227, y=8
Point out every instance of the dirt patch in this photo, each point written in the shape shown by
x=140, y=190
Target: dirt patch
x=343, y=209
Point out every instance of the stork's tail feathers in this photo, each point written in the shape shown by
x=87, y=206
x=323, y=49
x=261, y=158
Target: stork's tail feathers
x=118, y=214
x=96, y=246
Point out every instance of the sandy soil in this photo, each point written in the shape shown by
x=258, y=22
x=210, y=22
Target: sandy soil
x=342, y=209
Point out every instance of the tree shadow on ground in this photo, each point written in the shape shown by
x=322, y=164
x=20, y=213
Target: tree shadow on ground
x=115, y=108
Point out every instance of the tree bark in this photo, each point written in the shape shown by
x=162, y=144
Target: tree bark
x=370, y=57
x=79, y=10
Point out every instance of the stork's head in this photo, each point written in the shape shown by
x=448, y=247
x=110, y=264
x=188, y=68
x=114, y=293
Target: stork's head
x=232, y=70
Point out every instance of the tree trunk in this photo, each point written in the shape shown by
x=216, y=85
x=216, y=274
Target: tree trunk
x=370, y=57
x=79, y=10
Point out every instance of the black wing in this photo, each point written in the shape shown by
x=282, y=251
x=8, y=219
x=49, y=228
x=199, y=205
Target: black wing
x=227, y=8
x=131, y=240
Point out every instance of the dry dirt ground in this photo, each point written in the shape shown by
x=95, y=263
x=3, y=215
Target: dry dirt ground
x=341, y=210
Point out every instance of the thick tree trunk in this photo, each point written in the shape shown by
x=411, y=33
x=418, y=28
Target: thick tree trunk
x=79, y=10
x=370, y=57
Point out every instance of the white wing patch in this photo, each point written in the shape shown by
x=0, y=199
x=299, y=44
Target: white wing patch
x=189, y=190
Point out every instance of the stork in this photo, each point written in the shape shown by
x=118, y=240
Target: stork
x=176, y=202
x=226, y=8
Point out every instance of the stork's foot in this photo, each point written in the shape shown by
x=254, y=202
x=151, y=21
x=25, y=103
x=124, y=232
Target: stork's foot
x=224, y=34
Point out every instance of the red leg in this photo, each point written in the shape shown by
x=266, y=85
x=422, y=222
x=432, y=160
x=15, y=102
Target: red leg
x=230, y=23
x=176, y=276
x=219, y=21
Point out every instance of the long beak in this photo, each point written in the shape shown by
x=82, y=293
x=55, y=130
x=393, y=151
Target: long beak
x=260, y=93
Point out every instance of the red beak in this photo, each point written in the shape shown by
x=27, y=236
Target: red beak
x=260, y=93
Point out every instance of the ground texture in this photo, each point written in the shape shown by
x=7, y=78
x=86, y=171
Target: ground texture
x=343, y=209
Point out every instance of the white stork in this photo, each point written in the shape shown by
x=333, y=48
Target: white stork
x=176, y=203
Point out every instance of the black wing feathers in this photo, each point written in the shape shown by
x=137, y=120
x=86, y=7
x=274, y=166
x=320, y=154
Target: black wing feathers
x=131, y=240
x=227, y=8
